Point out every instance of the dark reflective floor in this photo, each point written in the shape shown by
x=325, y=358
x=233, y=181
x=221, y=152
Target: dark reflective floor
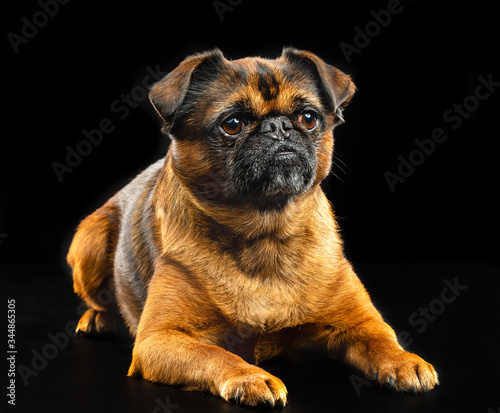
x=446, y=312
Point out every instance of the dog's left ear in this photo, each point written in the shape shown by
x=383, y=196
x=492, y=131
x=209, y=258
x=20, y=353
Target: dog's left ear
x=336, y=87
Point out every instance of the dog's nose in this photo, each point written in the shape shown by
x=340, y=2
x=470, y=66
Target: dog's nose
x=277, y=127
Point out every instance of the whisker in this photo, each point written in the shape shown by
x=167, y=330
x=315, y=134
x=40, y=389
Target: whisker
x=340, y=165
x=336, y=158
x=338, y=177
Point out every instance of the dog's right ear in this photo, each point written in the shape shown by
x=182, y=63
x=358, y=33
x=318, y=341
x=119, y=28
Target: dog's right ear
x=168, y=94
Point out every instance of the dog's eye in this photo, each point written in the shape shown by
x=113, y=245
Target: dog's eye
x=308, y=119
x=233, y=126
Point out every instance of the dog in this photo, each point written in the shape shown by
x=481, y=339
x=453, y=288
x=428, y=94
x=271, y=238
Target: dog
x=227, y=252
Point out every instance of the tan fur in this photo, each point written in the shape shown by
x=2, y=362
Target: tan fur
x=211, y=288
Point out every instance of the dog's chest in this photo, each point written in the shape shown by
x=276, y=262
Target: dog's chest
x=268, y=282
x=268, y=294
x=264, y=307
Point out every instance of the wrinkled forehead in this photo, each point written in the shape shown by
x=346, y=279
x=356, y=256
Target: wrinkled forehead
x=262, y=87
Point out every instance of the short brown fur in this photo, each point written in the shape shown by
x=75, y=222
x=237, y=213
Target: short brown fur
x=210, y=288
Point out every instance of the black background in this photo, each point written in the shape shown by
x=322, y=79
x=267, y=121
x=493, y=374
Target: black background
x=427, y=59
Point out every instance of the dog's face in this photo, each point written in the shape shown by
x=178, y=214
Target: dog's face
x=252, y=131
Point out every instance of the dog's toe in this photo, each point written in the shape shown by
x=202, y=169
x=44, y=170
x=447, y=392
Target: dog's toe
x=95, y=322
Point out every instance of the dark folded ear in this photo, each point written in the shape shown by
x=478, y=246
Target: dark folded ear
x=168, y=94
x=336, y=87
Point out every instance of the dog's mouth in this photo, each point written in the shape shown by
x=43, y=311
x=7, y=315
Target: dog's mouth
x=283, y=152
x=285, y=155
x=270, y=171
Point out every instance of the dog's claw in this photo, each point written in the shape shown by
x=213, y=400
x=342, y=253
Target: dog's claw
x=391, y=382
x=237, y=398
x=270, y=404
x=279, y=404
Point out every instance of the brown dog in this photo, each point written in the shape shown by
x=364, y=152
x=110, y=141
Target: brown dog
x=227, y=252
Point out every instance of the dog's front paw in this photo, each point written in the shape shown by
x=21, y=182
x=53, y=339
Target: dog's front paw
x=406, y=371
x=254, y=387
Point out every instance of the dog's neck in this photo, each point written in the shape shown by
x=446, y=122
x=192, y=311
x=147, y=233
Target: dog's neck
x=266, y=245
x=238, y=221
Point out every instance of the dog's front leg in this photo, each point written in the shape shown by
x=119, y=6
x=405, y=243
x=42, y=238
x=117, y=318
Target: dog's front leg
x=361, y=338
x=176, y=344
x=373, y=348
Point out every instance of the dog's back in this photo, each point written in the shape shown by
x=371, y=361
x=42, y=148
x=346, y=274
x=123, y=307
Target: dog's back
x=136, y=250
x=112, y=255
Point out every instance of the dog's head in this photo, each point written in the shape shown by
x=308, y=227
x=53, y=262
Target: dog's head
x=252, y=131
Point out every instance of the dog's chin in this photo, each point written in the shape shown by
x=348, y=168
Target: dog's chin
x=287, y=175
x=273, y=179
